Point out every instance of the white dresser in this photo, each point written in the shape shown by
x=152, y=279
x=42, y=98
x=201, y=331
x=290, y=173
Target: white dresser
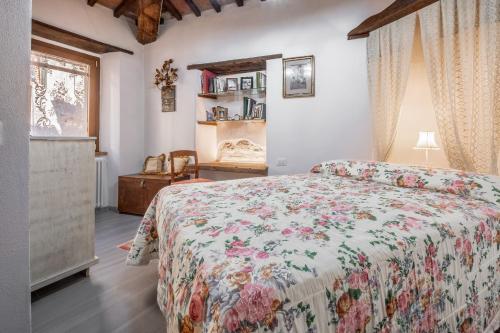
x=62, y=214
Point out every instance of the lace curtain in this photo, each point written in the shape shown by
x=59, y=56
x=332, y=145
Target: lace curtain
x=461, y=42
x=389, y=57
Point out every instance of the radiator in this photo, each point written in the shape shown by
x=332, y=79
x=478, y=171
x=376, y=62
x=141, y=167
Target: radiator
x=101, y=188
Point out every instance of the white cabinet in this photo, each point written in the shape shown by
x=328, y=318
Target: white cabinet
x=62, y=214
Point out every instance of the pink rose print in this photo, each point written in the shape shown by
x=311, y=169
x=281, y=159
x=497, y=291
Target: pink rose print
x=262, y=255
x=467, y=246
x=287, y=232
x=196, y=308
x=240, y=252
x=231, y=321
x=232, y=229
x=458, y=244
x=306, y=230
x=255, y=303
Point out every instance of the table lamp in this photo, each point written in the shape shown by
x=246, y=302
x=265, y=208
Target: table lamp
x=426, y=141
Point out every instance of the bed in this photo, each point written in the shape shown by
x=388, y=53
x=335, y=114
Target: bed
x=350, y=247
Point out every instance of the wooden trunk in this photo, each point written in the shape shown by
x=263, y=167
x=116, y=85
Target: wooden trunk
x=135, y=192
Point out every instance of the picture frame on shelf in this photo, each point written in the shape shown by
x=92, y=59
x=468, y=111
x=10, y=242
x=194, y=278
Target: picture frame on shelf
x=246, y=82
x=259, y=111
x=232, y=84
x=236, y=117
x=298, y=77
x=221, y=113
x=220, y=85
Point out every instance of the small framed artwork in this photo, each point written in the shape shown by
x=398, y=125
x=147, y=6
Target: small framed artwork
x=298, y=77
x=232, y=84
x=259, y=111
x=246, y=83
x=222, y=113
x=168, y=99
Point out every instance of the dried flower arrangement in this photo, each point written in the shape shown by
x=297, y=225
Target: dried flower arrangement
x=166, y=75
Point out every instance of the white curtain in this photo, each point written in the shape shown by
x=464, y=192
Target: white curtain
x=461, y=42
x=389, y=57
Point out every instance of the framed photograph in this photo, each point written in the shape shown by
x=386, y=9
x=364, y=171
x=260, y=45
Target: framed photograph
x=231, y=84
x=246, y=83
x=259, y=111
x=222, y=113
x=298, y=77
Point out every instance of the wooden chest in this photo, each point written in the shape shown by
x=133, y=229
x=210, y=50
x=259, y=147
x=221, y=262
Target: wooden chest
x=135, y=192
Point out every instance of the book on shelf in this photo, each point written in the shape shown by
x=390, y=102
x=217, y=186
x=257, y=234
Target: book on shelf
x=207, y=82
x=248, y=107
x=260, y=79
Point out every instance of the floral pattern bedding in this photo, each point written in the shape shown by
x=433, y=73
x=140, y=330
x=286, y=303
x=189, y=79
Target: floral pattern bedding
x=350, y=247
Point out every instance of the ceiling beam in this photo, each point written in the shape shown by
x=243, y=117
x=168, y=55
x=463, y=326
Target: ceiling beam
x=240, y=3
x=169, y=7
x=193, y=7
x=397, y=10
x=70, y=38
x=91, y=2
x=123, y=7
x=216, y=5
x=148, y=20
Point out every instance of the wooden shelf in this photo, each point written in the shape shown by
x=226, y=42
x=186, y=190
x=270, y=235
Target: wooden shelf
x=244, y=92
x=236, y=66
x=256, y=168
x=218, y=122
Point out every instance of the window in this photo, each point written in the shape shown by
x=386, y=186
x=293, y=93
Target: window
x=64, y=92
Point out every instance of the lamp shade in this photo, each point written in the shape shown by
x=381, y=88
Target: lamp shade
x=427, y=140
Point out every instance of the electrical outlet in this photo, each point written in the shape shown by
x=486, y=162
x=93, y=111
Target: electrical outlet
x=282, y=162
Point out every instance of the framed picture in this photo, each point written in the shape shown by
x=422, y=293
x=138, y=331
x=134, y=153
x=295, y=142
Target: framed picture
x=153, y=165
x=259, y=111
x=168, y=99
x=232, y=84
x=298, y=77
x=246, y=83
x=222, y=113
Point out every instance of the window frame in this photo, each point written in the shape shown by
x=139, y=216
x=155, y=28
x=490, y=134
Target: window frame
x=94, y=80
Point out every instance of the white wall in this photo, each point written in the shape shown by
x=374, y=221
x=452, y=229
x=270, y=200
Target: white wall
x=15, y=30
x=417, y=114
x=122, y=81
x=334, y=124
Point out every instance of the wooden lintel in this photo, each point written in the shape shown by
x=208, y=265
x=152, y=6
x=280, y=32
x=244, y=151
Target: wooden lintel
x=240, y=3
x=169, y=6
x=216, y=5
x=237, y=65
x=91, y=2
x=196, y=11
x=122, y=7
x=397, y=10
x=70, y=38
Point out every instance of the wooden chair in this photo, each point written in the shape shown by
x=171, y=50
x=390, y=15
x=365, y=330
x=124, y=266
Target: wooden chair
x=190, y=169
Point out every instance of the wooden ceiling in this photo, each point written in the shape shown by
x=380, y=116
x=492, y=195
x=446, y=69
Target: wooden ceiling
x=144, y=12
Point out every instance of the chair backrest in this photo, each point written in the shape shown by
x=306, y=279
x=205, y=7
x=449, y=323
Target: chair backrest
x=189, y=168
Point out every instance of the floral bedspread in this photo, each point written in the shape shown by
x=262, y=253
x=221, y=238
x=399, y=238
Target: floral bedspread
x=350, y=247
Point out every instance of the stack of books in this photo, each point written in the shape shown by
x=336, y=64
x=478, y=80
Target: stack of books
x=208, y=85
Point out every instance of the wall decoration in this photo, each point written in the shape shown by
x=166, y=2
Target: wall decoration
x=222, y=113
x=232, y=84
x=153, y=164
x=298, y=77
x=164, y=80
x=246, y=83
